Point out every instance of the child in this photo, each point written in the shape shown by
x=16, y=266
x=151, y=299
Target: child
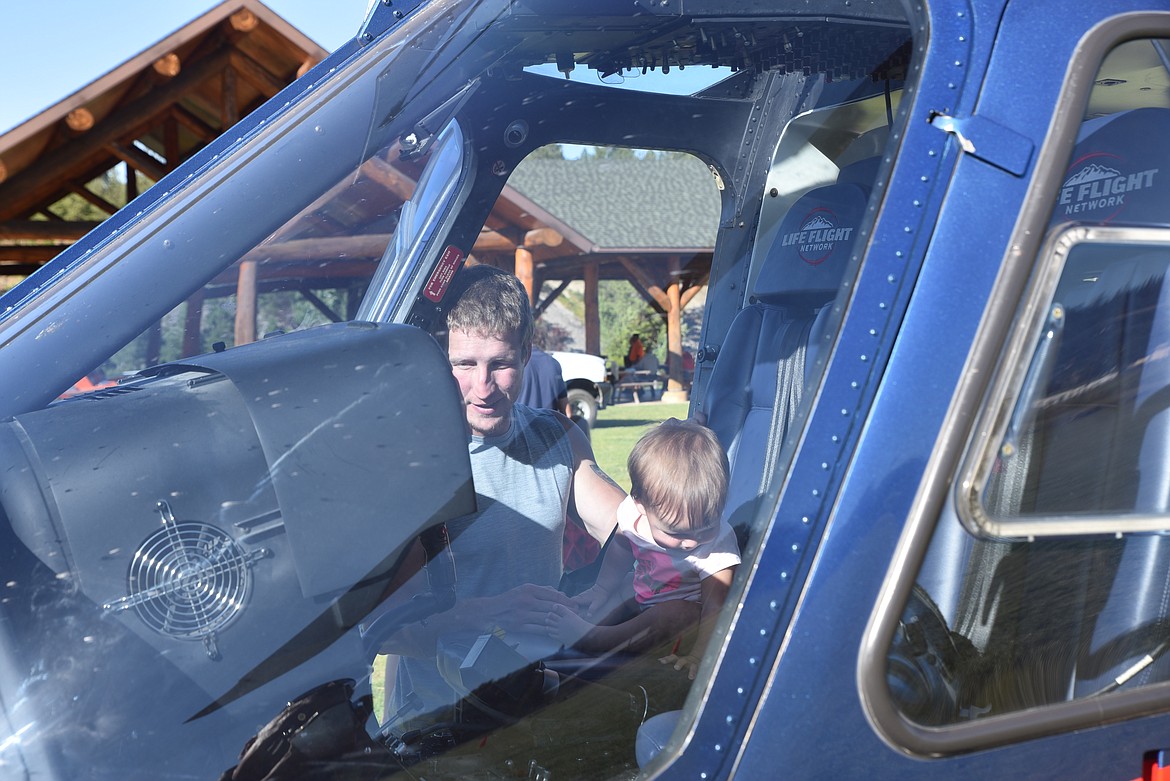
x=672, y=539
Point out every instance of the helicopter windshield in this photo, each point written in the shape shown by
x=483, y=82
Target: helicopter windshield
x=231, y=442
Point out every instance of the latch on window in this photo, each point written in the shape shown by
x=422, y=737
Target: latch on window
x=988, y=141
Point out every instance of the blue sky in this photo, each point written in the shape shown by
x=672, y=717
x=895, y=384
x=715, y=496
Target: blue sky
x=52, y=48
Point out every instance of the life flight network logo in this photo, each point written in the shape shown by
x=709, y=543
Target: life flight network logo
x=1100, y=181
x=819, y=233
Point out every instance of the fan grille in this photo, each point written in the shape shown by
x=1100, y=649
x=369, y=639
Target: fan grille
x=188, y=580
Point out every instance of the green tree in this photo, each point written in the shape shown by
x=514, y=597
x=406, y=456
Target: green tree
x=110, y=186
x=549, y=152
x=623, y=313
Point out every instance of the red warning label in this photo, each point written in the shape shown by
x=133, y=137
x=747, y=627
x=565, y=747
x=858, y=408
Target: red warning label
x=441, y=277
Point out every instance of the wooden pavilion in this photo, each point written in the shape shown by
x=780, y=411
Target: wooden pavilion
x=557, y=221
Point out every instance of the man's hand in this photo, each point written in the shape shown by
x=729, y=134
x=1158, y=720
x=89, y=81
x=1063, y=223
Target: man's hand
x=523, y=609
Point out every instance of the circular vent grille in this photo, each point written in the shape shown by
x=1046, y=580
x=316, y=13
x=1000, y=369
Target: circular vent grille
x=188, y=580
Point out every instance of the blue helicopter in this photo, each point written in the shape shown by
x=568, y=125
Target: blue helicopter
x=931, y=349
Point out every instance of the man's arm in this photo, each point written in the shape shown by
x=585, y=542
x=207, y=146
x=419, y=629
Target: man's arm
x=523, y=609
x=595, y=496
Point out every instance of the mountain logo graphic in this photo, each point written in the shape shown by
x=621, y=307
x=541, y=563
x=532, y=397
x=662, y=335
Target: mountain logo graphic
x=1091, y=173
x=818, y=222
x=1098, y=186
x=817, y=238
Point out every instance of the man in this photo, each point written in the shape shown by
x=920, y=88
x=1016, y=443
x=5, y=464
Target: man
x=530, y=467
x=544, y=386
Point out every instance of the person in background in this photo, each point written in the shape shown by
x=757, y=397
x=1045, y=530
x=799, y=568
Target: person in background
x=544, y=386
x=636, y=353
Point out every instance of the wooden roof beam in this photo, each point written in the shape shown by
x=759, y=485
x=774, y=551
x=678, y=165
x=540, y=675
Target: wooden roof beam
x=138, y=160
x=543, y=237
x=19, y=255
x=650, y=290
x=243, y=21
x=497, y=241
x=362, y=246
x=92, y=198
x=256, y=74
x=694, y=289
x=17, y=269
x=230, y=104
x=32, y=185
x=197, y=126
x=492, y=241
x=45, y=230
x=543, y=305
x=385, y=174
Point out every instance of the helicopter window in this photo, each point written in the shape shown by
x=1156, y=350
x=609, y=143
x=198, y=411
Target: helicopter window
x=283, y=232
x=1049, y=583
x=319, y=266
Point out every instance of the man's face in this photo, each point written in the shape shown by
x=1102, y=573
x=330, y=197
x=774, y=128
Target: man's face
x=490, y=370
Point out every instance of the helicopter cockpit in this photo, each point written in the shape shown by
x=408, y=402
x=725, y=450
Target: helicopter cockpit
x=224, y=526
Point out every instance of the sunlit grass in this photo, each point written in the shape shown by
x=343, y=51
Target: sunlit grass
x=621, y=425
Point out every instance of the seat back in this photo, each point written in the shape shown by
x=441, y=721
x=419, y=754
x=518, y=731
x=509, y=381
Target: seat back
x=759, y=376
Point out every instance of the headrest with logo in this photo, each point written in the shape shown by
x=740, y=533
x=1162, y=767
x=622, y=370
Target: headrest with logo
x=808, y=257
x=1113, y=178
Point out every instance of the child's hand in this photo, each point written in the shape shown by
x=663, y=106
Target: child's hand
x=688, y=662
x=565, y=626
x=589, y=601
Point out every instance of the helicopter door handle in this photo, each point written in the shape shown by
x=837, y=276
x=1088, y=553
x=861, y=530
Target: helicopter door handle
x=988, y=141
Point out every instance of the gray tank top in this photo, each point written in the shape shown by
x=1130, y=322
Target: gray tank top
x=522, y=480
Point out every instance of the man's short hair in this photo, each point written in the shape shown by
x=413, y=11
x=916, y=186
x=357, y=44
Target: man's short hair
x=488, y=301
x=679, y=469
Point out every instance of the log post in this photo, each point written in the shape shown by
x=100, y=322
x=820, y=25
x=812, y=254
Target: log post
x=230, y=110
x=592, y=310
x=246, y=303
x=524, y=272
x=675, y=390
x=193, y=324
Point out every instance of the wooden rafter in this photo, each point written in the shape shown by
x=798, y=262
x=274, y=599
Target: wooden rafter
x=256, y=74
x=553, y=295
x=650, y=290
x=197, y=126
x=44, y=230
x=32, y=185
x=93, y=198
x=138, y=160
x=33, y=256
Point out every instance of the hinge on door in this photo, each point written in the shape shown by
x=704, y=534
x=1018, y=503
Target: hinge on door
x=988, y=141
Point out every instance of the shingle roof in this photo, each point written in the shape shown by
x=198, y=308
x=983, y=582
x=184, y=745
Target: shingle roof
x=666, y=202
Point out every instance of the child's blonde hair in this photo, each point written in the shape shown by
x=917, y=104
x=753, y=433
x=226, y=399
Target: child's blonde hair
x=679, y=468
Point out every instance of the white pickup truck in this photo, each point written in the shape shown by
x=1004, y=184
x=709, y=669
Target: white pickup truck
x=588, y=382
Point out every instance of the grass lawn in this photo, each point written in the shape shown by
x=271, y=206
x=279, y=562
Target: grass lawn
x=621, y=425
